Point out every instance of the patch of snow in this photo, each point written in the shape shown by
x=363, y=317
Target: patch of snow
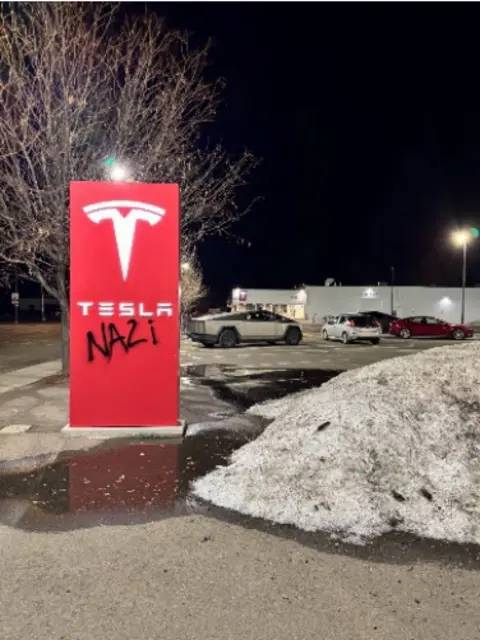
x=241, y=424
x=391, y=446
x=29, y=463
x=201, y=427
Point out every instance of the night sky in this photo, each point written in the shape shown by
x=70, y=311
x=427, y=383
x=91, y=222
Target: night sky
x=367, y=117
x=367, y=120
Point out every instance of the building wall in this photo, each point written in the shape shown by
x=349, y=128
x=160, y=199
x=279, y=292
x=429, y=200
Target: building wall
x=442, y=302
x=289, y=302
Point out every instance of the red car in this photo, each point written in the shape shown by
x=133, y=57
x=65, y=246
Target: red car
x=428, y=327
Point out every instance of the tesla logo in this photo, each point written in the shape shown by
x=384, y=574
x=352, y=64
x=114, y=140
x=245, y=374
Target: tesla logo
x=124, y=226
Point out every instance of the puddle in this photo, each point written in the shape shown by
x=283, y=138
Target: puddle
x=246, y=387
x=127, y=484
x=140, y=481
x=144, y=482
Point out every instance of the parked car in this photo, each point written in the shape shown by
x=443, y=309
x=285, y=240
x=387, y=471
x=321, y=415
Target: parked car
x=229, y=329
x=351, y=327
x=429, y=327
x=385, y=319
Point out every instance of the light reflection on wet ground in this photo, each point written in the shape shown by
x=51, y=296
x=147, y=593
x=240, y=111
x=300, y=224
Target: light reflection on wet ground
x=137, y=482
x=141, y=481
x=246, y=387
x=124, y=484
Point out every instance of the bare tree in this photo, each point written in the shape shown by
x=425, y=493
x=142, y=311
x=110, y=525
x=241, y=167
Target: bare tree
x=191, y=283
x=192, y=287
x=78, y=85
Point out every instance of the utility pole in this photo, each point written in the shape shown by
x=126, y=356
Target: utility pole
x=16, y=300
x=461, y=239
x=392, y=283
x=42, y=300
x=464, y=280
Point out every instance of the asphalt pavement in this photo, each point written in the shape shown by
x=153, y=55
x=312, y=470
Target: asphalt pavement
x=24, y=345
x=201, y=578
x=211, y=382
x=102, y=540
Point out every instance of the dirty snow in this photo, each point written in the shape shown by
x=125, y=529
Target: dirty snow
x=247, y=426
x=391, y=446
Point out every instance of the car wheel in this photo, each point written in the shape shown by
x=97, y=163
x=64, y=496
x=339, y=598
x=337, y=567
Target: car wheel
x=228, y=339
x=375, y=341
x=208, y=345
x=458, y=334
x=324, y=335
x=405, y=333
x=293, y=336
x=345, y=338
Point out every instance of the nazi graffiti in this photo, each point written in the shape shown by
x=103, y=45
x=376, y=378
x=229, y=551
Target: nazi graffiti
x=110, y=339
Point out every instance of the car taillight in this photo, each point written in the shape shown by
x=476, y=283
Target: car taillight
x=350, y=323
x=379, y=325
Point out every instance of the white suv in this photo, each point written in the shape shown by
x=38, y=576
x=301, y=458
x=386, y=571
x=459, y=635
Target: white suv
x=351, y=327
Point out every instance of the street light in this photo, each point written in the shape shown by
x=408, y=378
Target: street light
x=392, y=284
x=461, y=239
x=118, y=173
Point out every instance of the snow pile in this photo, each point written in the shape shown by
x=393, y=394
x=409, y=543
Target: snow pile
x=395, y=445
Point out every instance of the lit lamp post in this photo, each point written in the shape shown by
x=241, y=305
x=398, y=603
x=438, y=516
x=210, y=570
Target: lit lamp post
x=392, y=284
x=116, y=171
x=461, y=239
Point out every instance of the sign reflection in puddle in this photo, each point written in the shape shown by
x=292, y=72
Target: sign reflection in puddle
x=140, y=481
x=131, y=483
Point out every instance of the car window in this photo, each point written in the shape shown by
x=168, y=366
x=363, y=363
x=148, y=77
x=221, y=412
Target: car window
x=432, y=321
x=341, y=319
x=379, y=315
x=415, y=320
x=260, y=316
x=363, y=321
x=267, y=316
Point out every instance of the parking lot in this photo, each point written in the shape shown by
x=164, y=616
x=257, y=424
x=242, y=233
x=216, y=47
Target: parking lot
x=312, y=353
x=25, y=345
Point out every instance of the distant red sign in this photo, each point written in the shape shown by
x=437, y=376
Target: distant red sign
x=124, y=318
x=242, y=296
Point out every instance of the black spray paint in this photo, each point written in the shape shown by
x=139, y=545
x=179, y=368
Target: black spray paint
x=110, y=336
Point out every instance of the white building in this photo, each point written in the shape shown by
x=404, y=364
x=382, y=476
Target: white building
x=313, y=303
x=288, y=302
x=441, y=302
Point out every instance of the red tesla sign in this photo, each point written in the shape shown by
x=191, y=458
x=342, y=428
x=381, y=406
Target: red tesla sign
x=124, y=285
